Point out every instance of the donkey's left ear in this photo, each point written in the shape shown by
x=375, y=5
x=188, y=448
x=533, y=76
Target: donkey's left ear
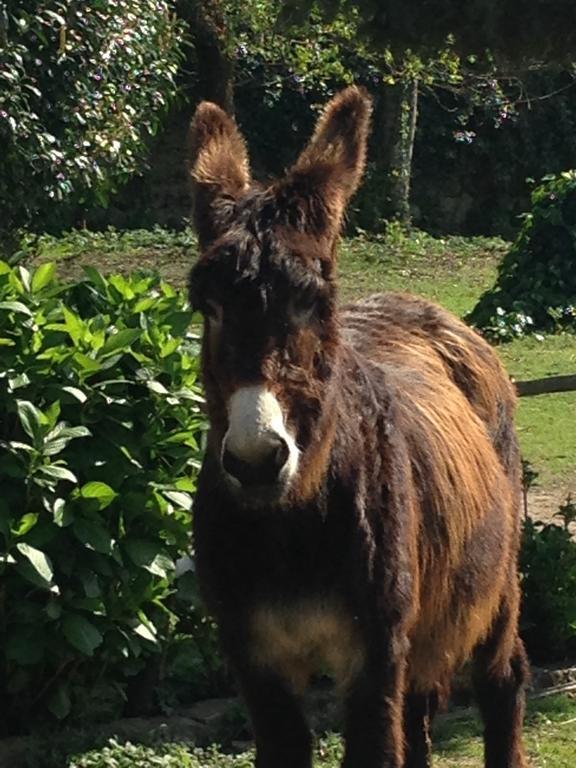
x=219, y=170
x=330, y=169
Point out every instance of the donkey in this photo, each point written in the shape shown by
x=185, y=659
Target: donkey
x=357, y=509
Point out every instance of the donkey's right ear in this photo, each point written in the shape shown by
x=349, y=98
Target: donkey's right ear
x=218, y=168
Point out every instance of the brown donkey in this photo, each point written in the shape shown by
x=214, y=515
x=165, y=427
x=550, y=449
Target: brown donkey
x=357, y=509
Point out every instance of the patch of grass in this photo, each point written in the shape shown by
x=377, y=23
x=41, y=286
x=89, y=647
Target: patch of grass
x=545, y=422
x=549, y=736
x=457, y=743
x=77, y=242
x=171, y=254
x=453, y=271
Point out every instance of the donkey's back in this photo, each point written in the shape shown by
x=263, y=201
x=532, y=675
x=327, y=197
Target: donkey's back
x=400, y=328
x=453, y=404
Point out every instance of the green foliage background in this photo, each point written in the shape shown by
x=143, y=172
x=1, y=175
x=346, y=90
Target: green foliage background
x=82, y=85
x=536, y=285
x=548, y=567
x=516, y=31
x=101, y=438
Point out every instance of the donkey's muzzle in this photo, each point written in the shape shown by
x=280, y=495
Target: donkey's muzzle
x=264, y=471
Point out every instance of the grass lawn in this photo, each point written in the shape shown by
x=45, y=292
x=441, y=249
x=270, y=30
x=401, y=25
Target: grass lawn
x=550, y=735
x=453, y=271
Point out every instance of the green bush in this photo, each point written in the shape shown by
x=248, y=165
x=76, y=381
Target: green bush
x=536, y=285
x=100, y=442
x=548, y=567
x=81, y=87
x=128, y=755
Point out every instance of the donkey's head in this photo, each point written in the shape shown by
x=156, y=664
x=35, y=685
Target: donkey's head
x=265, y=285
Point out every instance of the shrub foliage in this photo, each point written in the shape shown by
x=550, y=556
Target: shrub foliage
x=81, y=86
x=100, y=442
x=544, y=30
x=548, y=566
x=536, y=284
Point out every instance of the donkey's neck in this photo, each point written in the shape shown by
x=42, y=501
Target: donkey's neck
x=351, y=397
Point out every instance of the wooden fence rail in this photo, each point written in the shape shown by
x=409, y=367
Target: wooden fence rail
x=546, y=386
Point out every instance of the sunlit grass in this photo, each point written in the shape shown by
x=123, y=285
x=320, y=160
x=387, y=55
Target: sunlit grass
x=550, y=737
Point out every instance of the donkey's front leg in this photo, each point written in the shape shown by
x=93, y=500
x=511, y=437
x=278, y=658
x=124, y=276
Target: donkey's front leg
x=374, y=735
x=283, y=739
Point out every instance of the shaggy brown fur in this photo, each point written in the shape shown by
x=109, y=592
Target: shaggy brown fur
x=391, y=557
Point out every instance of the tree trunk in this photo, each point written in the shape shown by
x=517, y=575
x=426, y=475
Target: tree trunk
x=213, y=62
x=396, y=126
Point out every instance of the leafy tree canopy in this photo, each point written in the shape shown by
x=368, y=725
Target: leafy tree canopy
x=81, y=86
x=513, y=29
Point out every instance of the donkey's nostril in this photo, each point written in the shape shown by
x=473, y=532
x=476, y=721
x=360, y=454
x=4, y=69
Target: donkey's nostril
x=263, y=470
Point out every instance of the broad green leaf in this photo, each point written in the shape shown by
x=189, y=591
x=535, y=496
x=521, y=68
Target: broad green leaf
x=25, y=277
x=182, y=500
x=157, y=387
x=161, y=566
x=54, y=609
x=43, y=276
x=18, y=446
x=16, y=306
x=185, y=484
x=185, y=438
x=71, y=433
x=62, y=513
x=144, y=304
x=54, y=472
x=169, y=347
x=93, y=535
x=32, y=420
x=55, y=16
x=144, y=631
x=87, y=364
x=120, y=341
x=59, y=702
x=93, y=605
x=99, y=491
x=18, y=381
x=75, y=392
x=52, y=412
x=148, y=555
x=95, y=277
x=74, y=325
x=121, y=284
x=26, y=523
x=58, y=438
x=81, y=634
x=38, y=560
x=91, y=584
x=188, y=587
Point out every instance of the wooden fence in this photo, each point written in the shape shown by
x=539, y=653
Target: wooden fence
x=546, y=386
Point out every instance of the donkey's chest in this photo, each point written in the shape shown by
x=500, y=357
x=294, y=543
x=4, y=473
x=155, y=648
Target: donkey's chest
x=306, y=637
